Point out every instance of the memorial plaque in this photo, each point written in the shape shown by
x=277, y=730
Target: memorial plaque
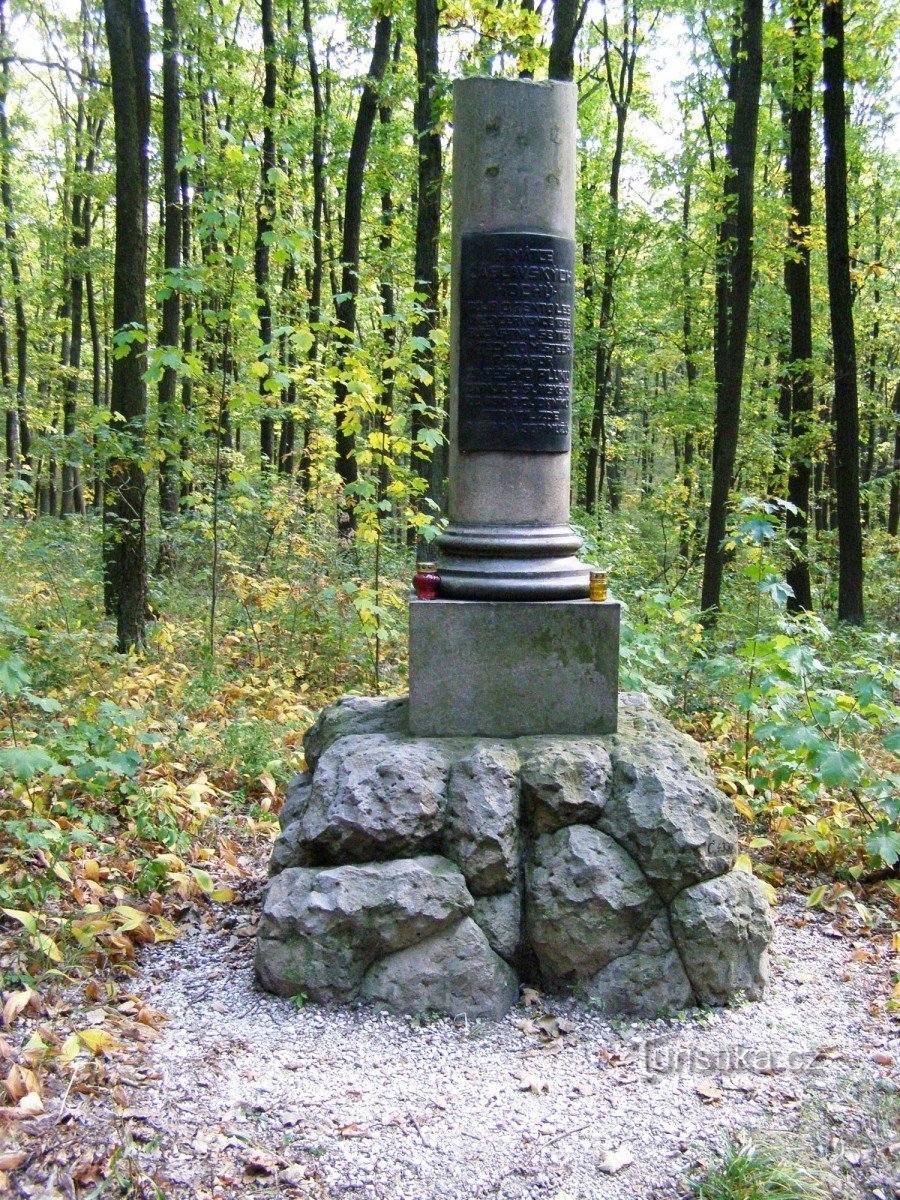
x=517, y=293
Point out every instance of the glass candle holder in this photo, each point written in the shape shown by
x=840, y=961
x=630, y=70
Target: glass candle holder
x=426, y=581
x=599, y=585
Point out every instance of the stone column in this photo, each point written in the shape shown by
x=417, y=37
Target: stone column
x=512, y=293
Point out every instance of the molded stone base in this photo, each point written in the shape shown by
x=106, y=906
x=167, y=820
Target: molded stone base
x=492, y=668
x=425, y=873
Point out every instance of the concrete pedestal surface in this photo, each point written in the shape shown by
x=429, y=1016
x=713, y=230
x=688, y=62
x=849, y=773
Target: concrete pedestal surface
x=490, y=668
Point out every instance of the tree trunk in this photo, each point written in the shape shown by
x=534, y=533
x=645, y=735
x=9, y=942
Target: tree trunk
x=346, y=306
x=128, y=38
x=894, y=503
x=10, y=235
x=620, y=86
x=170, y=467
x=429, y=182
x=265, y=217
x=733, y=285
x=840, y=302
x=797, y=285
x=568, y=16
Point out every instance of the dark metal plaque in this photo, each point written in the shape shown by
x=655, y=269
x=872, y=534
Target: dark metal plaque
x=517, y=292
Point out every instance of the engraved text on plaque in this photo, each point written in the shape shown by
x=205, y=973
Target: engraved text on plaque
x=515, y=342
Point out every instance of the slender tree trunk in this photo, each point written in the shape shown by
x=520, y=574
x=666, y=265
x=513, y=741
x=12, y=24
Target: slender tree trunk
x=429, y=182
x=733, y=285
x=840, y=302
x=10, y=235
x=265, y=224
x=894, y=502
x=170, y=467
x=797, y=285
x=346, y=306
x=128, y=38
x=689, y=351
x=568, y=16
x=12, y=415
x=620, y=85
x=187, y=333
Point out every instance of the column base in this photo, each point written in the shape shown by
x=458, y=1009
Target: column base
x=509, y=562
x=495, y=669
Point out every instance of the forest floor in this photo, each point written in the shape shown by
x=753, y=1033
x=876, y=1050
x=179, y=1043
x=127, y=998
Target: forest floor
x=230, y=1092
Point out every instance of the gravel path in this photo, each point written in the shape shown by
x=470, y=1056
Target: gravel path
x=322, y=1103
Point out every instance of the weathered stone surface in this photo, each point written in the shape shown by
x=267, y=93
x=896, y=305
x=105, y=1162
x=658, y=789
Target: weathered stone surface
x=565, y=783
x=501, y=919
x=296, y=798
x=288, y=850
x=354, y=714
x=665, y=808
x=321, y=929
x=455, y=972
x=587, y=903
x=647, y=982
x=482, y=830
x=622, y=843
x=723, y=928
x=374, y=797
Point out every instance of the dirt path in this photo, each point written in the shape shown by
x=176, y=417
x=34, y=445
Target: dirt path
x=244, y=1094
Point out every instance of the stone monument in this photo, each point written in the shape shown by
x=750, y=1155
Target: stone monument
x=515, y=818
x=512, y=646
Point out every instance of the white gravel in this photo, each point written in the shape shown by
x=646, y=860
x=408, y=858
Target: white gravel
x=358, y=1103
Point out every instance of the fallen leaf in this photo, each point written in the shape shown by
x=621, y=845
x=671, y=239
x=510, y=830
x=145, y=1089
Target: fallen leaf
x=355, y=1131
x=12, y=1160
x=708, y=1092
x=293, y=1176
x=612, y=1161
x=531, y=997
x=260, y=1162
x=15, y=1005
x=882, y=1058
x=31, y=1105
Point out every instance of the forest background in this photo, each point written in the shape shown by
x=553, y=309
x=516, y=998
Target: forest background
x=223, y=362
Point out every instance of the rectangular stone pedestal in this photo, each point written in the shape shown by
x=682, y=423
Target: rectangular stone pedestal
x=495, y=668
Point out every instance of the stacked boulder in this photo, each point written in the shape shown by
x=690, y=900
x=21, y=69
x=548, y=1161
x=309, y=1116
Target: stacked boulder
x=433, y=874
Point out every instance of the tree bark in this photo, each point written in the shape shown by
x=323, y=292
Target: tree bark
x=10, y=235
x=568, y=16
x=170, y=466
x=429, y=182
x=265, y=225
x=894, y=502
x=733, y=284
x=620, y=85
x=797, y=285
x=128, y=38
x=345, y=438
x=840, y=303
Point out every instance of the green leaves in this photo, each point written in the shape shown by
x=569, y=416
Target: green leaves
x=26, y=762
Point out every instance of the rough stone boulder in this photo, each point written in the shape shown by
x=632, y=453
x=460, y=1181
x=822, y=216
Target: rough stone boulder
x=373, y=797
x=565, y=783
x=455, y=972
x=648, y=981
x=665, y=809
x=501, y=919
x=587, y=903
x=482, y=830
x=723, y=928
x=321, y=930
x=597, y=866
x=353, y=714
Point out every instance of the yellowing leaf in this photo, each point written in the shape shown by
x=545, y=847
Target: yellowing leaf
x=744, y=808
x=15, y=1005
x=743, y=863
x=96, y=1040
x=222, y=895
